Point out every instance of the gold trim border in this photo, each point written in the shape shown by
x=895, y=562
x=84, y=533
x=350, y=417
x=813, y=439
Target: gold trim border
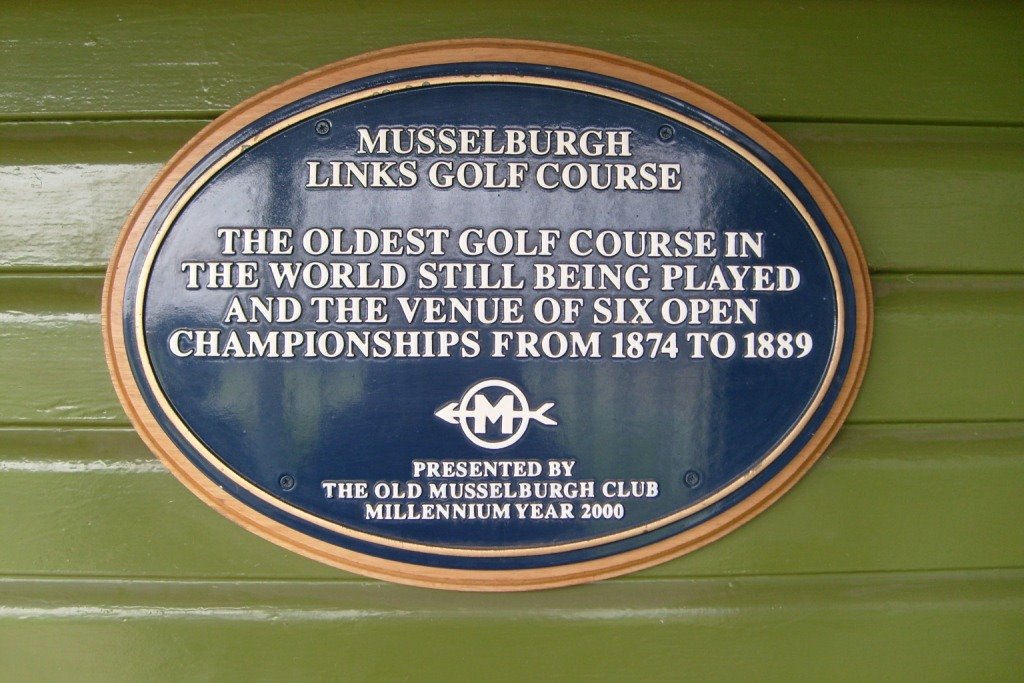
x=196, y=442
x=477, y=51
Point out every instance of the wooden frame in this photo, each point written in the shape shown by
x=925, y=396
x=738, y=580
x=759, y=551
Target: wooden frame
x=242, y=115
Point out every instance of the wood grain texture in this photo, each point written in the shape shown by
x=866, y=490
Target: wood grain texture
x=934, y=626
x=946, y=348
x=825, y=60
x=884, y=498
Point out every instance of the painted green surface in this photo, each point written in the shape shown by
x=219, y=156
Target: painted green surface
x=922, y=198
x=928, y=627
x=934, y=336
x=885, y=498
x=934, y=61
x=900, y=555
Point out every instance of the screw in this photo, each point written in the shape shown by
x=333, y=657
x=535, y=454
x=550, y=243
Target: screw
x=691, y=478
x=287, y=482
x=322, y=127
x=666, y=133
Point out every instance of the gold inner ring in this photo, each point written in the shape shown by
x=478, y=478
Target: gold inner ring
x=306, y=516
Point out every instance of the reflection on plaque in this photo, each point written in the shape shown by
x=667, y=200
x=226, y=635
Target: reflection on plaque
x=488, y=315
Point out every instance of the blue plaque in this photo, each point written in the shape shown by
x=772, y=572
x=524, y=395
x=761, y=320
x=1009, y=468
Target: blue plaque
x=488, y=315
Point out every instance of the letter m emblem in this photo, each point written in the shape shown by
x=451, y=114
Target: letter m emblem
x=484, y=412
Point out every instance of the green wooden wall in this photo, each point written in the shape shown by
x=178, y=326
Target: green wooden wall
x=901, y=555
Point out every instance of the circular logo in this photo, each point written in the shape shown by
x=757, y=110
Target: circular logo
x=508, y=414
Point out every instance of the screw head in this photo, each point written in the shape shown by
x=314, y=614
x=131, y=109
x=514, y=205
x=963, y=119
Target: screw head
x=666, y=133
x=691, y=478
x=287, y=482
x=322, y=127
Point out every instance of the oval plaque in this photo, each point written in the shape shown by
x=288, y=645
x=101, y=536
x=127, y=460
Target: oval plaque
x=488, y=315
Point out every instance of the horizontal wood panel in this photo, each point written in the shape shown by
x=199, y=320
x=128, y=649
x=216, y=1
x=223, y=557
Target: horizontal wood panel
x=68, y=187
x=899, y=556
x=885, y=498
x=945, y=348
x=922, y=198
x=825, y=60
x=925, y=198
x=963, y=626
